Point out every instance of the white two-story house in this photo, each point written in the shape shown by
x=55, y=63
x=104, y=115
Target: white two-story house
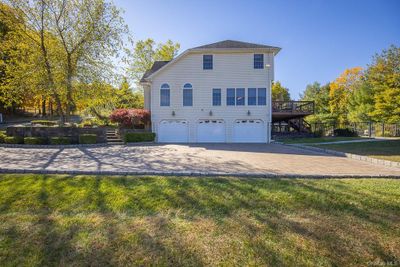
x=219, y=92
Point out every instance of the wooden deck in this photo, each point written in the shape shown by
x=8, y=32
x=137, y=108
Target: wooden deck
x=286, y=110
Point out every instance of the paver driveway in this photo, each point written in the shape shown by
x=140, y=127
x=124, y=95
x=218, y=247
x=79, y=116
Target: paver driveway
x=209, y=158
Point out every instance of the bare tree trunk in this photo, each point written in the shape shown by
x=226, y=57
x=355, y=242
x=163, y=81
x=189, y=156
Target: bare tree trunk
x=44, y=106
x=48, y=67
x=51, y=108
x=70, y=102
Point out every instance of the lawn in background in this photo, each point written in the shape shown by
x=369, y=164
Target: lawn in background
x=309, y=140
x=388, y=150
x=125, y=221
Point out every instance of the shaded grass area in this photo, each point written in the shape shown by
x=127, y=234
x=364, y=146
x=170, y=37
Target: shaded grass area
x=309, y=140
x=388, y=150
x=177, y=221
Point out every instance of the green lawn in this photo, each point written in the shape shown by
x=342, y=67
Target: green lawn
x=309, y=140
x=125, y=221
x=388, y=150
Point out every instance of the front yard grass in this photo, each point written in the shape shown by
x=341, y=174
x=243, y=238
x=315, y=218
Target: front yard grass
x=309, y=140
x=49, y=220
x=388, y=150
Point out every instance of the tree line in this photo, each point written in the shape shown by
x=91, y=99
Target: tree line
x=64, y=57
x=358, y=94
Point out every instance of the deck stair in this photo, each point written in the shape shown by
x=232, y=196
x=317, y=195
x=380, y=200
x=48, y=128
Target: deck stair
x=288, y=117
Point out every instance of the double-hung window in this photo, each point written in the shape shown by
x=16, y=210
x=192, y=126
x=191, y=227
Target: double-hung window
x=207, y=62
x=240, y=97
x=165, y=95
x=216, y=97
x=230, y=96
x=187, y=95
x=262, y=97
x=252, y=96
x=258, y=61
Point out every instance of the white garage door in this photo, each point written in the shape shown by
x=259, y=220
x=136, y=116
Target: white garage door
x=173, y=131
x=211, y=131
x=249, y=131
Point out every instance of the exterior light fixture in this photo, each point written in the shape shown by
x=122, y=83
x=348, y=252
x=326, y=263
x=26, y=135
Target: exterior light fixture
x=210, y=113
x=173, y=113
x=267, y=65
x=248, y=113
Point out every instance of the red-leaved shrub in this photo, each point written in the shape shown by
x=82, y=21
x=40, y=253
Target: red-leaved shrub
x=128, y=118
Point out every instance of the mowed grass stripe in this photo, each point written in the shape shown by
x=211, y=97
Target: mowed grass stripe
x=189, y=221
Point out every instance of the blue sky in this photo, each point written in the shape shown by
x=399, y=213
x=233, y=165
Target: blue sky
x=319, y=38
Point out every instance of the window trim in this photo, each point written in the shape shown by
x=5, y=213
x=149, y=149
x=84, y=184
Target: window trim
x=258, y=96
x=243, y=103
x=208, y=67
x=165, y=88
x=256, y=62
x=255, y=96
x=230, y=98
x=187, y=88
x=220, y=97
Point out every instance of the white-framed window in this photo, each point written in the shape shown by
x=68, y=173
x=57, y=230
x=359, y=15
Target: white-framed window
x=187, y=95
x=262, y=96
x=207, y=62
x=252, y=96
x=165, y=95
x=216, y=97
x=258, y=61
x=240, y=97
x=230, y=96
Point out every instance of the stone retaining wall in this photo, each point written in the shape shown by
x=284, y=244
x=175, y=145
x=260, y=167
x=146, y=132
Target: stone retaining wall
x=46, y=132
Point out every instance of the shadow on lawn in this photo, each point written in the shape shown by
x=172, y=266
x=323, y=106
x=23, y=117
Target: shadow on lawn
x=317, y=213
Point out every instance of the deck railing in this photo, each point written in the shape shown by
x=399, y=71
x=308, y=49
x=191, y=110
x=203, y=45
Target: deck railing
x=299, y=107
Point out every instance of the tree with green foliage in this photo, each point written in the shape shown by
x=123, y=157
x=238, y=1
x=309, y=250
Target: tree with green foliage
x=99, y=99
x=361, y=103
x=320, y=95
x=146, y=52
x=126, y=98
x=383, y=75
x=280, y=93
x=341, y=90
x=76, y=41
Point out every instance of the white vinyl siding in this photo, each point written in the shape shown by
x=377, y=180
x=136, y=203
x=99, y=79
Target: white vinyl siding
x=230, y=70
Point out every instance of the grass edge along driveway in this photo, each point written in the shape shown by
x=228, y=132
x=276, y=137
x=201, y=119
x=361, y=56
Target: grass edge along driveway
x=178, y=221
x=387, y=150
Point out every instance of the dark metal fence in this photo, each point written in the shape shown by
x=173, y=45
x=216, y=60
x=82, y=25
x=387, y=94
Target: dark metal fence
x=370, y=129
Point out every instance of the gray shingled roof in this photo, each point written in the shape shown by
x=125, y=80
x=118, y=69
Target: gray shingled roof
x=234, y=44
x=156, y=66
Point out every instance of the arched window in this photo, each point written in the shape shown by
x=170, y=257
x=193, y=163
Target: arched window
x=187, y=95
x=164, y=95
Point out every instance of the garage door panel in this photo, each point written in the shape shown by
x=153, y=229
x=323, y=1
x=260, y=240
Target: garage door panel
x=173, y=131
x=249, y=131
x=211, y=131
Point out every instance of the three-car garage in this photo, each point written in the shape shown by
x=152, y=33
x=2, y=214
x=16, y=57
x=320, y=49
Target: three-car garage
x=212, y=131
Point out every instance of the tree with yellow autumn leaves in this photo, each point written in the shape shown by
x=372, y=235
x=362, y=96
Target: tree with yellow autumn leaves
x=359, y=95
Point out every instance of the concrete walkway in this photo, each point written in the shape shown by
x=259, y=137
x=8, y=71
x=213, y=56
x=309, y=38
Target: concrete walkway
x=253, y=159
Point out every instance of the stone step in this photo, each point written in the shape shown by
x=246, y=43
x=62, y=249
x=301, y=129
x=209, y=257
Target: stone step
x=116, y=143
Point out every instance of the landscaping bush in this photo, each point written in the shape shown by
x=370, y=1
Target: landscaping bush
x=14, y=140
x=128, y=118
x=2, y=136
x=87, y=139
x=345, y=132
x=35, y=140
x=318, y=133
x=60, y=141
x=44, y=122
x=139, y=137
